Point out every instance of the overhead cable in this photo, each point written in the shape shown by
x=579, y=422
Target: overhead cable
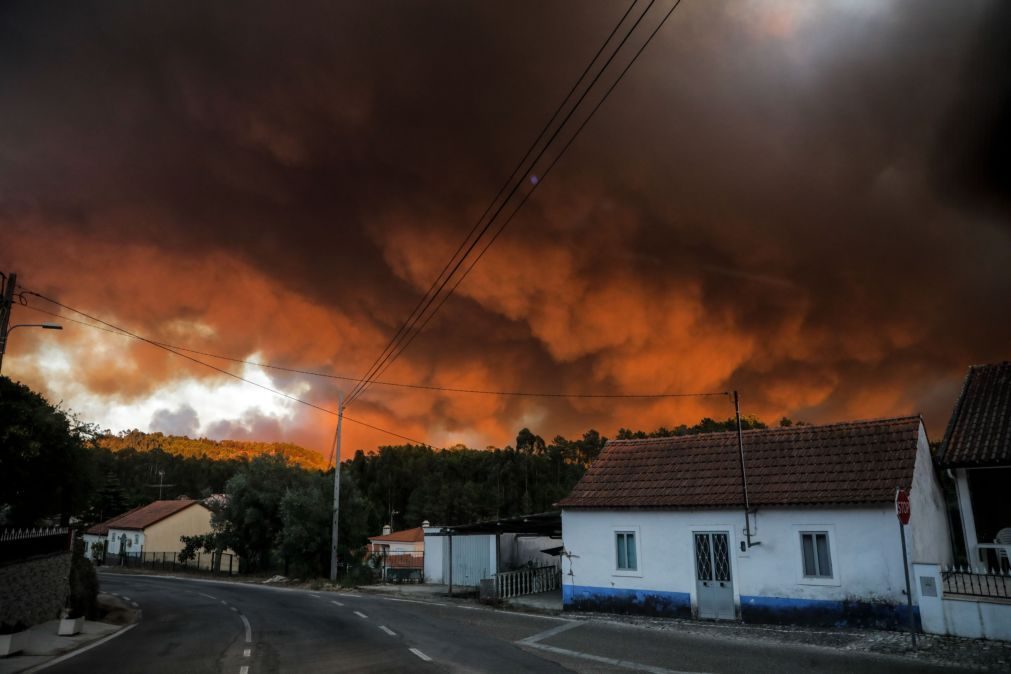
x=425, y=387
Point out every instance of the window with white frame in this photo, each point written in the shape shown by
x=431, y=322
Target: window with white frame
x=625, y=545
x=814, y=546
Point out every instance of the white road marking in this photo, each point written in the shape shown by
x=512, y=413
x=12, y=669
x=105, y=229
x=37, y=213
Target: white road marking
x=361, y=615
x=234, y=609
x=209, y=596
x=314, y=596
x=93, y=644
x=134, y=604
x=624, y=664
x=420, y=654
x=533, y=639
x=246, y=653
x=388, y=630
x=244, y=669
x=407, y=601
x=126, y=598
x=332, y=601
x=356, y=596
x=249, y=629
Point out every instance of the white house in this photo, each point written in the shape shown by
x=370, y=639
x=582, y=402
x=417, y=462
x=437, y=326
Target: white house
x=153, y=528
x=657, y=526
x=400, y=554
x=977, y=452
x=96, y=537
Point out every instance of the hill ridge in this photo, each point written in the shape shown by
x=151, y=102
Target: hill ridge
x=218, y=450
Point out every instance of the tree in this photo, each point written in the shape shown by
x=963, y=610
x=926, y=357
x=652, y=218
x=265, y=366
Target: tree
x=45, y=467
x=249, y=521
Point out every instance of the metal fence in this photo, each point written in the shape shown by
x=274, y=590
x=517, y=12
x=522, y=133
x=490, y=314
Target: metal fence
x=224, y=563
x=399, y=567
x=977, y=582
x=17, y=544
x=527, y=581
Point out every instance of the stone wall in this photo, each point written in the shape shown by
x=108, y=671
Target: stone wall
x=34, y=591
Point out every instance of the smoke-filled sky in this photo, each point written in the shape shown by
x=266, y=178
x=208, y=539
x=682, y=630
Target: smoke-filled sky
x=809, y=202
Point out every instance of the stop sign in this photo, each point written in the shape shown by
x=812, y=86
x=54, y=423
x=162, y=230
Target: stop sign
x=902, y=506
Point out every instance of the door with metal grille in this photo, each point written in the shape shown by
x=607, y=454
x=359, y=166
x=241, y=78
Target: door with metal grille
x=715, y=589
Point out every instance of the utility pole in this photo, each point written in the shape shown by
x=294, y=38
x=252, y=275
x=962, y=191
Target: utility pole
x=161, y=483
x=6, y=305
x=336, y=488
x=744, y=474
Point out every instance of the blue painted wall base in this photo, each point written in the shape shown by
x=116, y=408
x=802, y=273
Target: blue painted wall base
x=620, y=600
x=774, y=610
x=826, y=613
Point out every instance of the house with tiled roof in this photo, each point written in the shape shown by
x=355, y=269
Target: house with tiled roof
x=977, y=451
x=155, y=527
x=96, y=537
x=399, y=555
x=661, y=526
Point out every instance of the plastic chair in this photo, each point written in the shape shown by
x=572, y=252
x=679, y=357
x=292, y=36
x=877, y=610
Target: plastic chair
x=1003, y=538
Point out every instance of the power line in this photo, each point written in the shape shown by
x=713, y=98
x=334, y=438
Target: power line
x=384, y=361
x=554, y=161
x=444, y=389
x=221, y=370
x=388, y=360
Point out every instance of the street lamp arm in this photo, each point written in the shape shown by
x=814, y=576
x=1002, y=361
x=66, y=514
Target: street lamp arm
x=45, y=326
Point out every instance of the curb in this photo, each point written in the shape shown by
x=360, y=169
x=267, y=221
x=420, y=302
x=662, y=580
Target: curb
x=56, y=659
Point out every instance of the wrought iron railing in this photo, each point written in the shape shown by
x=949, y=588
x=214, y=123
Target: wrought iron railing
x=536, y=579
x=977, y=582
x=16, y=544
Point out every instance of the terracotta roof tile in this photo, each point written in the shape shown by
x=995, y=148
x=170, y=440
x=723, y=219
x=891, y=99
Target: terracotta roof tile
x=979, y=433
x=853, y=462
x=102, y=528
x=414, y=535
x=145, y=516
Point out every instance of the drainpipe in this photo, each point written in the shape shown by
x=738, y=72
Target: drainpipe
x=744, y=474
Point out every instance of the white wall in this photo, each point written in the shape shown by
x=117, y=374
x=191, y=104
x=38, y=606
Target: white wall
x=90, y=540
x=929, y=534
x=865, y=548
x=961, y=617
x=136, y=539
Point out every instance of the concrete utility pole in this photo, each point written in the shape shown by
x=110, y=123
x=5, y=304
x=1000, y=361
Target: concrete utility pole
x=336, y=488
x=6, y=305
x=744, y=476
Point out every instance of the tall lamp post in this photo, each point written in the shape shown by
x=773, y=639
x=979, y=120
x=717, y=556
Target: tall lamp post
x=4, y=335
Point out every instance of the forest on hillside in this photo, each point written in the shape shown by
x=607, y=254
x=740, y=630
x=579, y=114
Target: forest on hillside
x=53, y=468
x=219, y=450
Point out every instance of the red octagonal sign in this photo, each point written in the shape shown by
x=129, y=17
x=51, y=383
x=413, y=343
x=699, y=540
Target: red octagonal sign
x=902, y=505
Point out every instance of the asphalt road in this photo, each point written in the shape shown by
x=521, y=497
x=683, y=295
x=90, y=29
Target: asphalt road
x=193, y=626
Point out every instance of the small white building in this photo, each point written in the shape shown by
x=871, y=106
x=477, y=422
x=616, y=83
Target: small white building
x=399, y=554
x=154, y=528
x=657, y=526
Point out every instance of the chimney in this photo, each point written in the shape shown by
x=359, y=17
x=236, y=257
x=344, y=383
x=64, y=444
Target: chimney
x=426, y=524
x=386, y=530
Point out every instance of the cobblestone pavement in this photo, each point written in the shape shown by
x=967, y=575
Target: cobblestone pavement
x=970, y=653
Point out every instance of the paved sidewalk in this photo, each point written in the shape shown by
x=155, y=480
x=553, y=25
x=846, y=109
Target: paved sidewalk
x=43, y=644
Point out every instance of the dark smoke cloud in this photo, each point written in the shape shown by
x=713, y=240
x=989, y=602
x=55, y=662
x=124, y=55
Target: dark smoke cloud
x=804, y=201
